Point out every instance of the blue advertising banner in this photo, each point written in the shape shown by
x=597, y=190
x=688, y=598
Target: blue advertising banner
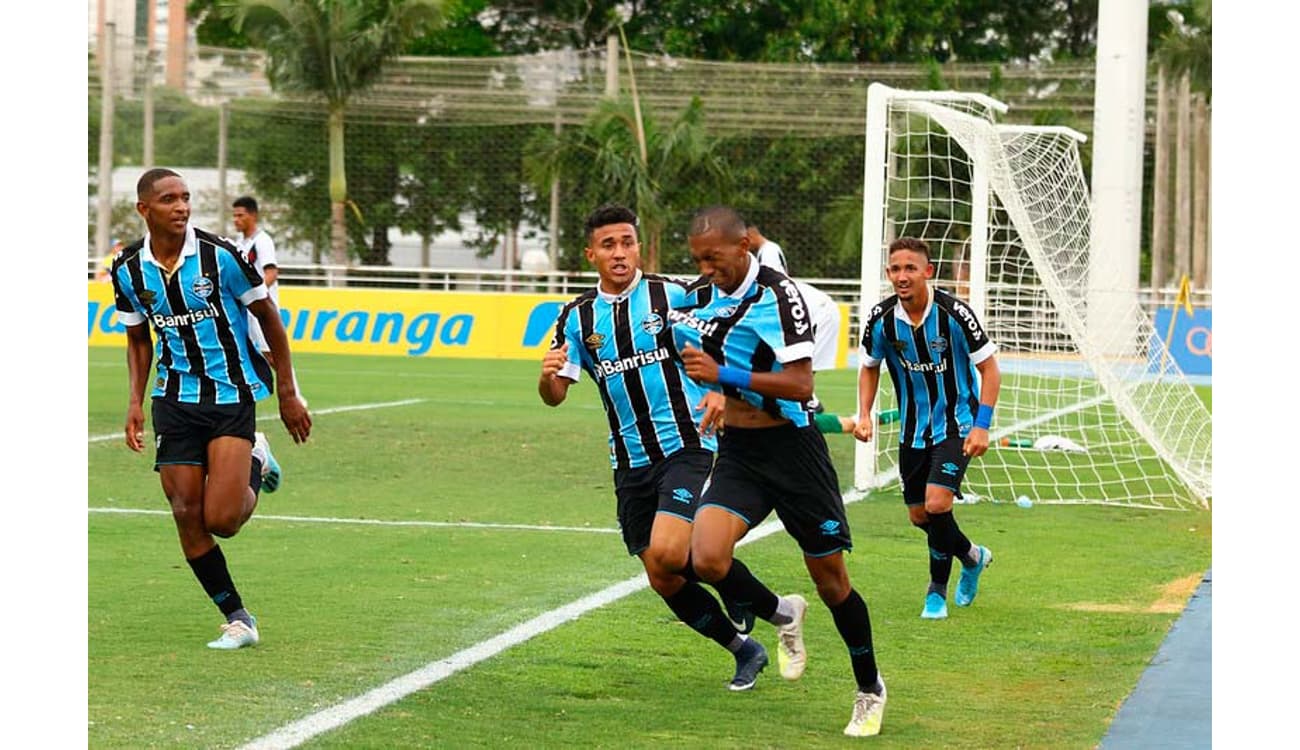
x=1191, y=344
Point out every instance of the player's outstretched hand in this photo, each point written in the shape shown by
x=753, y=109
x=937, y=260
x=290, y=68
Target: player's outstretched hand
x=864, y=429
x=714, y=406
x=553, y=361
x=699, y=366
x=296, y=418
x=135, y=428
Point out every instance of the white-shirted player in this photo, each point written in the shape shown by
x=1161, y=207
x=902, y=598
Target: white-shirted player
x=258, y=248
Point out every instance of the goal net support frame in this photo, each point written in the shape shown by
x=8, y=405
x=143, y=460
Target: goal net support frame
x=1096, y=413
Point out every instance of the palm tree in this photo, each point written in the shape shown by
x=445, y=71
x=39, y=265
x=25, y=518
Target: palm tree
x=1186, y=47
x=661, y=176
x=331, y=49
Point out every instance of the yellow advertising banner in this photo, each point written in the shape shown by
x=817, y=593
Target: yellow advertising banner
x=395, y=322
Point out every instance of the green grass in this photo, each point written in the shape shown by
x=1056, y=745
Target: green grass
x=1066, y=620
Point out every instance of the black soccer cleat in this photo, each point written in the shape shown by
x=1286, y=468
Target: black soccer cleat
x=750, y=660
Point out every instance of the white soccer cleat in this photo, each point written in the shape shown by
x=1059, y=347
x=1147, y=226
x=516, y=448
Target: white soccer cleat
x=868, y=713
x=236, y=634
x=790, y=654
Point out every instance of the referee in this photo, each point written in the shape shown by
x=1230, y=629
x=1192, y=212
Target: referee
x=748, y=332
x=194, y=289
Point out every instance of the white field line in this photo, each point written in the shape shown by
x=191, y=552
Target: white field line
x=314, y=413
x=298, y=732
x=380, y=522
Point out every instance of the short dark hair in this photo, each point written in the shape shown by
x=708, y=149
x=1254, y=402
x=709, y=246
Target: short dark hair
x=246, y=202
x=144, y=187
x=914, y=244
x=723, y=218
x=610, y=213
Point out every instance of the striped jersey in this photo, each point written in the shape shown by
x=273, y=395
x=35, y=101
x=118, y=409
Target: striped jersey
x=624, y=343
x=199, y=316
x=761, y=326
x=931, y=364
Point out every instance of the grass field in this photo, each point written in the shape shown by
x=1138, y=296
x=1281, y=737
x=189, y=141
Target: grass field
x=448, y=506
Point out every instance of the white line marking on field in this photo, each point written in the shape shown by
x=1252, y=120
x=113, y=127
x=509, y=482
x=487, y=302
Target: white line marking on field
x=298, y=732
x=380, y=522
x=314, y=413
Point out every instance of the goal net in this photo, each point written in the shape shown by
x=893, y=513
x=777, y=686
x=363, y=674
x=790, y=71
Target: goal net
x=1093, y=409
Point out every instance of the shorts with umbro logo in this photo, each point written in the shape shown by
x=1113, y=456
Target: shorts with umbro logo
x=182, y=431
x=787, y=469
x=672, y=485
x=943, y=464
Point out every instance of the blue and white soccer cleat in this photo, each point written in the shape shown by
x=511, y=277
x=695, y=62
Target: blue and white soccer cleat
x=750, y=660
x=270, y=467
x=936, y=607
x=236, y=634
x=969, y=583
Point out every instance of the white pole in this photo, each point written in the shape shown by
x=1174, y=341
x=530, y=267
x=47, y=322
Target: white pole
x=104, y=200
x=979, y=238
x=873, y=240
x=1118, y=129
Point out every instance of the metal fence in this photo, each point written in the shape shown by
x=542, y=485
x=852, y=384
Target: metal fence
x=438, y=151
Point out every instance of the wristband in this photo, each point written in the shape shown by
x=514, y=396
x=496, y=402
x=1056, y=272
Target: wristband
x=984, y=419
x=734, y=376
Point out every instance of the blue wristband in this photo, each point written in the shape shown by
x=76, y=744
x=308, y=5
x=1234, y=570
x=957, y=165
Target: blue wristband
x=734, y=376
x=984, y=419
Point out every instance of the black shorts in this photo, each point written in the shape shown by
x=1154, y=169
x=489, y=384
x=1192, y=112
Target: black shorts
x=943, y=464
x=183, y=431
x=787, y=469
x=671, y=486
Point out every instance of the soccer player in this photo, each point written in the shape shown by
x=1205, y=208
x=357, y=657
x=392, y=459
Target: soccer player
x=947, y=380
x=258, y=248
x=746, y=330
x=618, y=334
x=195, y=291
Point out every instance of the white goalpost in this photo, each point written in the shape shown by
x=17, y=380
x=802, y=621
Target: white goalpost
x=1092, y=407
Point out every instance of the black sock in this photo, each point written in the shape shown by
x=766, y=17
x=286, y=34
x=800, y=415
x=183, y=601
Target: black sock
x=946, y=537
x=255, y=478
x=693, y=606
x=210, y=568
x=740, y=587
x=940, y=562
x=854, y=624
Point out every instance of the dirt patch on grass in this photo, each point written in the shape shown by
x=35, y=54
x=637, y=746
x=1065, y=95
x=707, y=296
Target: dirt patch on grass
x=1173, y=597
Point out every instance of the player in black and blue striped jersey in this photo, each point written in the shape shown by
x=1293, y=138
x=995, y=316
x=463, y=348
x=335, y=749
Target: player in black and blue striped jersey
x=946, y=379
x=747, y=332
x=196, y=291
x=618, y=334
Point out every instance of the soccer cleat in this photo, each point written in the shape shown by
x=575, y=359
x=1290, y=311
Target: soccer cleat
x=750, y=660
x=790, y=654
x=742, y=617
x=270, y=467
x=868, y=712
x=236, y=634
x=969, y=583
x=936, y=607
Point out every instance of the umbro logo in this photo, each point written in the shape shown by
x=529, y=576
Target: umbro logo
x=594, y=340
x=900, y=346
x=147, y=296
x=949, y=468
x=830, y=526
x=683, y=495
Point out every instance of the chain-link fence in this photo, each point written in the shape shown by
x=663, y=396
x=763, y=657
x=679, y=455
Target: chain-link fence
x=495, y=162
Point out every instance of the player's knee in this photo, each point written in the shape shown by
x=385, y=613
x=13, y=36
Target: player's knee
x=917, y=515
x=937, y=501
x=833, y=587
x=665, y=560
x=711, y=565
